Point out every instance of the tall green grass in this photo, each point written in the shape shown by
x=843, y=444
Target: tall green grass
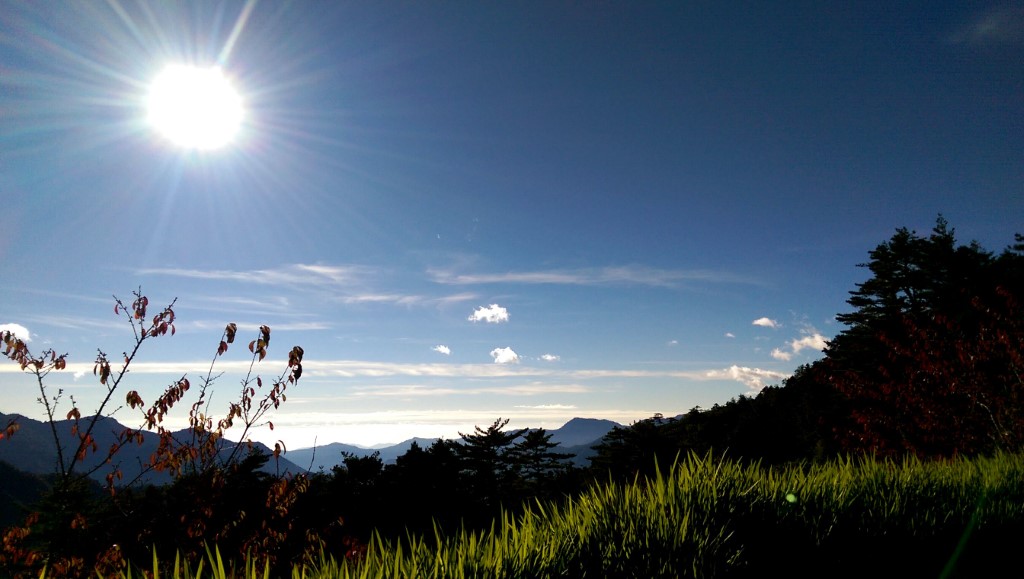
x=710, y=517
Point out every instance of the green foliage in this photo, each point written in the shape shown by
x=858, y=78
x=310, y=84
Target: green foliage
x=709, y=517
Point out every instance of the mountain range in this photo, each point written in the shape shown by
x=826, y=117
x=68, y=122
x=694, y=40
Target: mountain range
x=31, y=449
x=575, y=437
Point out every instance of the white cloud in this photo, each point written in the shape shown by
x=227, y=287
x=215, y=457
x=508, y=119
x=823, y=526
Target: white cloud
x=765, y=323
x=492, y=314
x=550, y=358
x=753, y=377
x=812, y=339
x=549, y=406
x=19, y=331
x=730, y=335
x=442, y=349
x=504, y=356
x=673, y=342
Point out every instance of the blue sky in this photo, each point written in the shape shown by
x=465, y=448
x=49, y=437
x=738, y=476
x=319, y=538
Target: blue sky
x=465, y=211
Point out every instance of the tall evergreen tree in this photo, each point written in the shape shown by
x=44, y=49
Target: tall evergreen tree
x=930, y=361
x=537, y=464
x=487, y=461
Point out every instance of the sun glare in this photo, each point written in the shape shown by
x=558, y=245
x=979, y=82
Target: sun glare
x=195, y=108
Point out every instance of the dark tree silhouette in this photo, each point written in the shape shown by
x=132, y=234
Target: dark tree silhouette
x=486, y=460
x=930, y=362
x=626, y=452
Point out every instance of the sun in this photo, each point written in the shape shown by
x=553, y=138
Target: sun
x=194, y=107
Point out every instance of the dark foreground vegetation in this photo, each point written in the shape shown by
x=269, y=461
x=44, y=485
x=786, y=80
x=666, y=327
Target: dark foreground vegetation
x=899, y=453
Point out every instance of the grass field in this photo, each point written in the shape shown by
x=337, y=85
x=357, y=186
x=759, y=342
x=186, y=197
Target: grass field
x=717, y=518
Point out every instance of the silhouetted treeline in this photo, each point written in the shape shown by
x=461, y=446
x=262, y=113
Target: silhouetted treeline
x=450, y=483
x=781, y=424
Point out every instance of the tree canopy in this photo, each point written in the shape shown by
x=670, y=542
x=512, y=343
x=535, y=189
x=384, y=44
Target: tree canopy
x=930, y=361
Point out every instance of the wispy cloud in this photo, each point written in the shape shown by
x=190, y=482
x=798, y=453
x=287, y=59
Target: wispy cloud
x=1003, y=24
x=755, y=378
x=403, y=299
x=766, y=323
x=254, y=327
x=110, y=324
x=730, y=335
x=548, y=406
x=327, y=371
x=380, y=298
x=550, y=357
x=419, y=391
x=442, y=349
x=240, y=304
x=504, y=356
x=537, y=389
x=624, y=275
x=19, y=331
x=289, y=275
x=343, y=283
x=492, y=314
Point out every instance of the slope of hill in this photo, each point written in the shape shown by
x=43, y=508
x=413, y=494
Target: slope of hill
x=18, y=490
x=581, y=432
x=31, y=450
x=324, y=457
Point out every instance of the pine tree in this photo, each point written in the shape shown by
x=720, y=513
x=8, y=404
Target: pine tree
x=930, y=361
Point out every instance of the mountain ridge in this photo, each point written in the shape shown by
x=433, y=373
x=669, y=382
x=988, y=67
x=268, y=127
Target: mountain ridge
x=575, y=436
x=31, y=448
